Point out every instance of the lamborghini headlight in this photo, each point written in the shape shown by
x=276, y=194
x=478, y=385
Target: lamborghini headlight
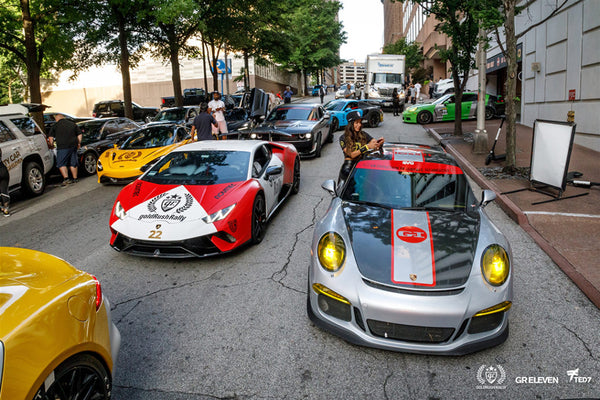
x=99, y=166
x=120, y=211
x=331, y=251
x=495, y=265
x=219, y=215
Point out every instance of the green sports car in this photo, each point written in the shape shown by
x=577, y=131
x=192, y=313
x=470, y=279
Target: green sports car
x=443, y=108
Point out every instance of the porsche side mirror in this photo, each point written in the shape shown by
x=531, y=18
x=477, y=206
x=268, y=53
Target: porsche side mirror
x=486, y=197
x=329, y=186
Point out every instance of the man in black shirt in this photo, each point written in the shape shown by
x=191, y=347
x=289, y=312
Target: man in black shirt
x=202, y=124
x=67, y=136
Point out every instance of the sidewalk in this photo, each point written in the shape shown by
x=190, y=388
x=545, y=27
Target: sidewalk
x=567, y=230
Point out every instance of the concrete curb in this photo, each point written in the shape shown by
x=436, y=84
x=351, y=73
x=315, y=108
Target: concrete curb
x=517, y=215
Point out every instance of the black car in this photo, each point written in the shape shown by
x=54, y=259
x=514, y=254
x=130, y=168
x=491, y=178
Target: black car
x=49, y=120
x=101, y=134
x=177, y=115
x=306, y=126
x=116, y=108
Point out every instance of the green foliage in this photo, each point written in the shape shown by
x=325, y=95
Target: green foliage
x=12, y=87
x=412, y=51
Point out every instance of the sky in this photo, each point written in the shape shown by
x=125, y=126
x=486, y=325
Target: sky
x=363, y=23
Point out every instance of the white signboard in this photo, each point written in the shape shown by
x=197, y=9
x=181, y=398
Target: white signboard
x=550, y=152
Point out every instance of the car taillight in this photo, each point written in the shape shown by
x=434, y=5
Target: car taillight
x=98, y=293
x=94, y=114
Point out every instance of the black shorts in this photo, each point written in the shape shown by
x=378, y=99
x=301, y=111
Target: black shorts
x=66, y=157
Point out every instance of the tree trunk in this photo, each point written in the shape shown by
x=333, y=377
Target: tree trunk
x=124, y=63
x=204, y=53
x=176, y=77
x=246, y=72
x=214, y=59
x=511, y=86
x=32, y=62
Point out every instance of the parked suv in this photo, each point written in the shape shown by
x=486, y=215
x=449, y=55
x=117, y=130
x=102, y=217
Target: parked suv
x=25, y=151
x=116, y=108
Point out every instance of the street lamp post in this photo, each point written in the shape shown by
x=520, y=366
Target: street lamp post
x=480, y=139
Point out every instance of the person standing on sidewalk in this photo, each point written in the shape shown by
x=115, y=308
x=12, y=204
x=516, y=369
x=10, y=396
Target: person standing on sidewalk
x=4, y=197
x=67, y=136
x=417, y=91
x=395, y=102
x=321, y=93
x=216, y=107
x=203, y=124
x=287, y=95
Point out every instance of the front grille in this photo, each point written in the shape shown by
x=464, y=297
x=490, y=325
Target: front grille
x=385, y=91
x=450, y=292
x=409, y=333
x=195, y=247
x=116, y=181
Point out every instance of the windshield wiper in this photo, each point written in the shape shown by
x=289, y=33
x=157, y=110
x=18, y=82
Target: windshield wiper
x=369, y=203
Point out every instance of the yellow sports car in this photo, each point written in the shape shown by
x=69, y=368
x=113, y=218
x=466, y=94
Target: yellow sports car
x=124, y=164
x=57, y=340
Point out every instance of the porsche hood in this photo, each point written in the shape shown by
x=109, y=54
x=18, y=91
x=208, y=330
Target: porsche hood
x=412, y=249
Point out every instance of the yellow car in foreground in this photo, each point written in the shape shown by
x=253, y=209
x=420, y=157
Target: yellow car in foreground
x=124, y=164
x=57, y=340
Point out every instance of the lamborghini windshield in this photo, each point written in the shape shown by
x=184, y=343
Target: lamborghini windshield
x=209, y=167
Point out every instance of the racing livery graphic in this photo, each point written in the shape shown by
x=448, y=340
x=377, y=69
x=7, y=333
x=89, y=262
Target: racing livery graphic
x=204, y=198
x=444, y=109
x=406, y=259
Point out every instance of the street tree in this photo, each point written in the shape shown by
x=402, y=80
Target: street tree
x=13, y=82
x=412, y=52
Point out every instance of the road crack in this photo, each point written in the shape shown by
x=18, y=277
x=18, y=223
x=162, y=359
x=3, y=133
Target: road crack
x=280, y=275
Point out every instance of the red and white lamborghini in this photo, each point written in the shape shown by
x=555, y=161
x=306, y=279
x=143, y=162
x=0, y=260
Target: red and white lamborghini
x=204, y=198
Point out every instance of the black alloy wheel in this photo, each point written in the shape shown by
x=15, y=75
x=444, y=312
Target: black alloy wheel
x=374, y=120
x=90, y=159
x=296, y=182
x=259, y=217
x=80, y=377
x=33, y=181
x=335, y=125
x=424, y=117
x=319, y=146
x=489, y=112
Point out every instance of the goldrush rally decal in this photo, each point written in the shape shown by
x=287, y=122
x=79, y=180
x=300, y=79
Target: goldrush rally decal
x=178, y=203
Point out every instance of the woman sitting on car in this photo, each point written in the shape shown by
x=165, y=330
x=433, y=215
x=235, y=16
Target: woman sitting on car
x=355, y=142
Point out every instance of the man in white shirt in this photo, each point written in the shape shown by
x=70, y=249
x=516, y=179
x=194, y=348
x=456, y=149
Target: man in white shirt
x=418, y=90
x=216, y=107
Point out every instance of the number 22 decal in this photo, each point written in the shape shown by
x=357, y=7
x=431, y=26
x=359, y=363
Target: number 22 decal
x=155, y=234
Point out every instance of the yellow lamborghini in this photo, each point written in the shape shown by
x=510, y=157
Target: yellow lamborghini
x=56, y=336
x=124, y=164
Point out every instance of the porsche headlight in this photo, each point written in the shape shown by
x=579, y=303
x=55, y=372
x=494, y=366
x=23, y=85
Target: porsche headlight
x=411, y=109
x=219, y=215
x=331, y=251
x=120, y=211
x=495, y=265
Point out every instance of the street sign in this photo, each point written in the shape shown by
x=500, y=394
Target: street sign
x=572, y=95
x=221, y=66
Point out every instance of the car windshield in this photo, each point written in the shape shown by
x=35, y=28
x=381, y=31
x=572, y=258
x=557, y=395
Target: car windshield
x=209, y=167
x=335, y=105
x=91, y=131
x=290, y=113
x=442, y=99
x=155, y=136
x=176, y=114
x=421, y=186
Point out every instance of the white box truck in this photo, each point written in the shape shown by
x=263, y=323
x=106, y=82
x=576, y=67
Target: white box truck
x=384, y=73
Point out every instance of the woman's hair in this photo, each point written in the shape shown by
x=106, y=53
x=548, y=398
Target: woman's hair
x=351, y=136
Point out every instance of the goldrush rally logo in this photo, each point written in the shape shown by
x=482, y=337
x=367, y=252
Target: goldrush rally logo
x=491, y=377
x=168, y=203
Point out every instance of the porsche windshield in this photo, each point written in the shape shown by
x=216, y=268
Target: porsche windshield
x=156, y=136
x=335, y=105
x=208, y=167
x=290, y=113
x=432, y=186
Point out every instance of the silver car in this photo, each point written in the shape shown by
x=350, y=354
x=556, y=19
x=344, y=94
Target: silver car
x=406, y=259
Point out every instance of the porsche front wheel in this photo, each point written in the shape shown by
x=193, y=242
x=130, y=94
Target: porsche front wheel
x=424, y=117
x=259, y=217
x=80, y=377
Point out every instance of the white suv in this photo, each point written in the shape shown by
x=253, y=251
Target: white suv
x=25, y=151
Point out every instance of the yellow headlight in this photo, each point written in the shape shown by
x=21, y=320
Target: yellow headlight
x=331, y=251
x=495, y=265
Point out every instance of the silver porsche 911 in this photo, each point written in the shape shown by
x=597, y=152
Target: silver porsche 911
x=406, y=259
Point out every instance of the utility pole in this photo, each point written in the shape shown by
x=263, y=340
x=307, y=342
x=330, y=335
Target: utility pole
x=480, y=139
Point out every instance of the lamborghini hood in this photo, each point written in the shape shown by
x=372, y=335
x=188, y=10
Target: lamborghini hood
x=412, y=249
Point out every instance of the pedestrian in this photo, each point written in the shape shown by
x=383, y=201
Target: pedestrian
x=348, y=91
x=67, y=136
x=354, y=143
x=4, y=178
x=203, y=124
x=321, y=93
x=216, y=107
x=287, y=95
x=417, y=91
x=412, y=91
x=395, y=102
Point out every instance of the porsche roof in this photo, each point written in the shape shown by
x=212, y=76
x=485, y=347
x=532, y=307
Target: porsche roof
x=411, y=153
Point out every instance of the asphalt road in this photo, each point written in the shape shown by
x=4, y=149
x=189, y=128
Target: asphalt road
x=235, y=327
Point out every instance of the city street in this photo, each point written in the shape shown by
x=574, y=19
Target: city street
x=236, y=326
